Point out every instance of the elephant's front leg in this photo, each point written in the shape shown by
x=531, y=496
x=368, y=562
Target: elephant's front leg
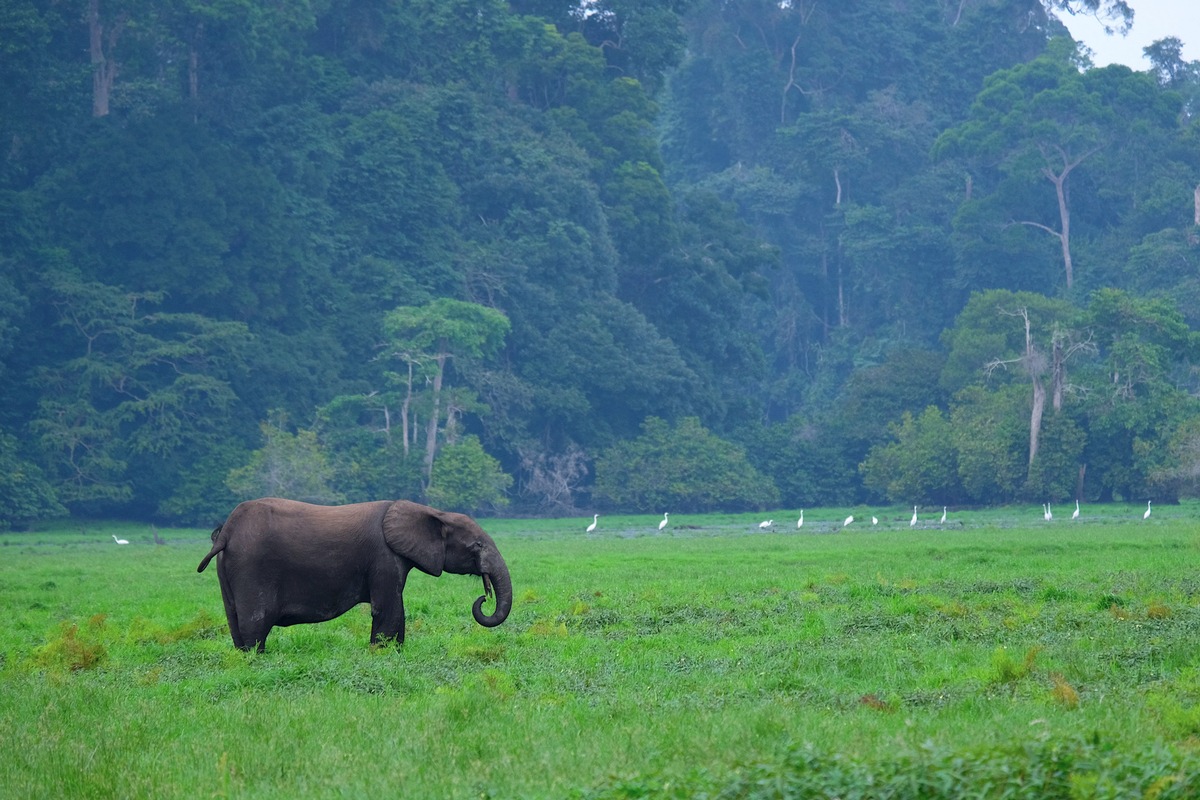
x=386, y=593
x=387, y=622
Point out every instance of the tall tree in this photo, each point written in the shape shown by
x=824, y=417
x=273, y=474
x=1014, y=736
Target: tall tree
x=1036, y=119
x=139, y=384
x=433, y=334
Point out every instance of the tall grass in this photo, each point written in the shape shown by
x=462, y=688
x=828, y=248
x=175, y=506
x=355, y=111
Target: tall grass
x=992, y=656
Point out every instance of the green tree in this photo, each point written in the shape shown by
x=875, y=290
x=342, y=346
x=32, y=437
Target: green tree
x=290, y=465
x=1136, y=402
x=1037, y=120
x=809, y=461
x=682, y=467
x=991, y=440
x=25, y=494
x=920, y=466
x=1001, y=337
x=1056, y=474
x=361, y=437
x=138, y=385
x=466, y=478
x=426, y=338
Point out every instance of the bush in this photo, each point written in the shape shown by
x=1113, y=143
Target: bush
x=465, y=478
x=921, y=466
x=686, y=468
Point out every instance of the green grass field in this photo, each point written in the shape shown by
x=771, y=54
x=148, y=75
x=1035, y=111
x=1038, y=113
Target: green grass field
x=997, y=656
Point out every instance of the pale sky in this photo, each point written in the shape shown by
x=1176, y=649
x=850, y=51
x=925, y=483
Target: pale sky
x=1152, y=20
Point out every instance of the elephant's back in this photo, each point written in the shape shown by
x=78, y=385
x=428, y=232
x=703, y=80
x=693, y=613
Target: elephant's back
x=278, y=524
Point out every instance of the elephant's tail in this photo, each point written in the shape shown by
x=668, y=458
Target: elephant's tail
x=219, y=541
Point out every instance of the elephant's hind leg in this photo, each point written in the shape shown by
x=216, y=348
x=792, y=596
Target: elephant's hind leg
x=231, y=615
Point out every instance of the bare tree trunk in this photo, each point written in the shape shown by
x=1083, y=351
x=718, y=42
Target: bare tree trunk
x=103, y=69
x=958, y=16
x=193, y=72
x=841, y=300
x=1196, y=205
x=1035, y=417
x=1058, y=372
x=1062, y=192
x=432, y=426
x=404, y=409
x=1064, y=216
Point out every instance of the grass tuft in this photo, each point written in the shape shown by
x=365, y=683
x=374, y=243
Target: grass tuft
x=1063, y=693
x=67, y=652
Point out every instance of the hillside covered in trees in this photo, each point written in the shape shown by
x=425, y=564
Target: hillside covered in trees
x=550, y=255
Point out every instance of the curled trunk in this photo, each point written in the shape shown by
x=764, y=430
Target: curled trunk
x=497, y=580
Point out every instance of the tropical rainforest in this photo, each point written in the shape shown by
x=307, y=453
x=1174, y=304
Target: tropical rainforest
x=563, y=255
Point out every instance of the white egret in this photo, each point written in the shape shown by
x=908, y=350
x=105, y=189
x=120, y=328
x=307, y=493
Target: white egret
x=848, y=520
x=663, y=524
x=943, y=515
x=913, y=522
x=1076, y=514
x=119, y=541
x=1147, y=514
x=595, y=519
x=766, y=523
x=800, y=522
x=874, y=520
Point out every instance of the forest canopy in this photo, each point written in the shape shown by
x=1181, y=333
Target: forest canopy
x=552, y=255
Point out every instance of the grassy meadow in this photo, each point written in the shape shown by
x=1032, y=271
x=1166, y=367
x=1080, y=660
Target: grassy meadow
x=995, y=656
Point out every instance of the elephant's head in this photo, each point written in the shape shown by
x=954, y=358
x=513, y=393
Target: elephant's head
x=442, y=541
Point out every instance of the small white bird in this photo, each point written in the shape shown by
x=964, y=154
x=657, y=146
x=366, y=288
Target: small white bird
x=1076, y=514
x=1147, y=514
x=800, y=522
x=848, y=520
x=913, y=522
x=119, y=541
x=766, y=523
x=663, y=524
x=595, y=519
x=943, y=515
x=874, y=520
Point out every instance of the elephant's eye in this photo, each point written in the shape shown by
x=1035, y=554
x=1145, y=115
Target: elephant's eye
x=478, y=545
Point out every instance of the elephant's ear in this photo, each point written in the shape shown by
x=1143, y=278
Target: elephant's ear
x=415, y=532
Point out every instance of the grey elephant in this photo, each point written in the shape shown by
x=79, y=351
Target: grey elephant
x=282, y=562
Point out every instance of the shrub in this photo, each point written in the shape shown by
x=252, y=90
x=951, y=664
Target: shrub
x=685, y=467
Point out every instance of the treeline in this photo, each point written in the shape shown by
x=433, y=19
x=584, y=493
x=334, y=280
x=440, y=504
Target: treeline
x=552, y=254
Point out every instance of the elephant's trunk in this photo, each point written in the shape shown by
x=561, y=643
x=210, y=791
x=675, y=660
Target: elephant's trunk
x=494, y=579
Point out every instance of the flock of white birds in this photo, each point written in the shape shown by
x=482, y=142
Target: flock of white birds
x=769, y=524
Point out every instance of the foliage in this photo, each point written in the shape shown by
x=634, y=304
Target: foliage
x=25, y=494
x=542, y=222
x=806, y=460
x=683, y=466
x=465, y=478
x=290, y=465
x=920, y=466
x=138, y=385
x=366, y=452
x=991, y=439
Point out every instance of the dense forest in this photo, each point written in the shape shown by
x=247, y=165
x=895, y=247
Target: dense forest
x=555, y=255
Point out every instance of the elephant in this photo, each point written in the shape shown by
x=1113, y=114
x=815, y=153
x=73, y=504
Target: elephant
x=283, y=562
